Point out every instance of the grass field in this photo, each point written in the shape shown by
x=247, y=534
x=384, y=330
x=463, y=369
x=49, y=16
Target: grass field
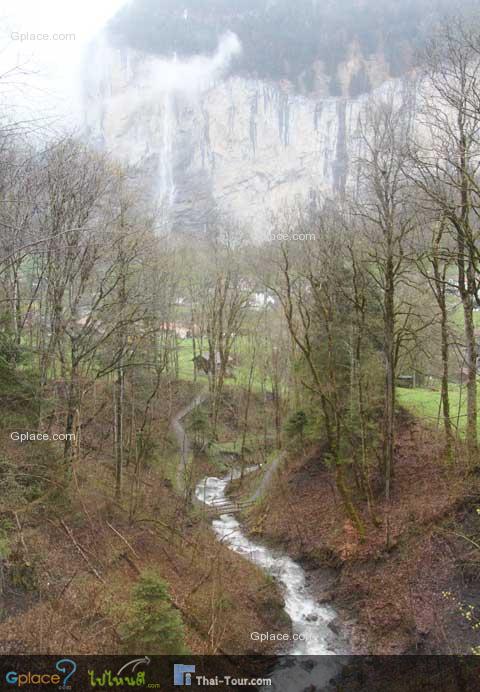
x=456, y=313
x=425, y=404
x=241, y=370
x=185, y=362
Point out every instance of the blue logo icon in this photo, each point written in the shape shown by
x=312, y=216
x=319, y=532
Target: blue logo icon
x=66, y=665
x=182, y=675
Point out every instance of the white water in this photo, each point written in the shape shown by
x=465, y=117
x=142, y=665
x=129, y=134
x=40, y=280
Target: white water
x=167, y=183
x=311, y=635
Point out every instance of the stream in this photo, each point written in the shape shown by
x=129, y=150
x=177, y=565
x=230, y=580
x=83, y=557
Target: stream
x=311, y=635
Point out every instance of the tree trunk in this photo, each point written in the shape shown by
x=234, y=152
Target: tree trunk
x=471, y=358
x=445, y=385
x=389, y=403
x=119, y=398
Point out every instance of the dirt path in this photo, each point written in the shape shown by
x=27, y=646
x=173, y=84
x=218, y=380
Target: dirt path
x=267, y=477
x=182, y=437
x=184, y=446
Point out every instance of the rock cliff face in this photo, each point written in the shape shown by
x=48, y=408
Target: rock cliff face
x=208, y=142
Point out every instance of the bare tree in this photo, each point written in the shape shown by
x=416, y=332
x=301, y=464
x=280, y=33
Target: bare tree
x=306, y=283
x=446, y=158
x=434, y=259
x=226, y=298
x=383, y=206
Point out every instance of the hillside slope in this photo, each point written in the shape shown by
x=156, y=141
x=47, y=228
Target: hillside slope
x=71, y=557
x=409, y=597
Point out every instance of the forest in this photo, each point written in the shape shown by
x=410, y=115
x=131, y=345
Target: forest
x=333, y=374
x=287, y=41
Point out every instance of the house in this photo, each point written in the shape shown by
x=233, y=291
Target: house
x=182, y=331
x=260, y=300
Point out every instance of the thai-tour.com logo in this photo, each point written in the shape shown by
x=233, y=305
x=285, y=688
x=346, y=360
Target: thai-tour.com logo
x=182, y=674
x=65, y=667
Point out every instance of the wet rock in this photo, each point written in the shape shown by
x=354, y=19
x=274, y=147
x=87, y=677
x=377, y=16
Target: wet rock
x=326, y=597
x=311, y=617
x=334, y=626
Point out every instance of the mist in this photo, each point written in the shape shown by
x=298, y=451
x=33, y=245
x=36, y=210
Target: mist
x=193, y=75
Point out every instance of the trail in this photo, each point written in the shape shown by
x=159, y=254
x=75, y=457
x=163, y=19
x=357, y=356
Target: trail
x=182, y=438
x=267, y=477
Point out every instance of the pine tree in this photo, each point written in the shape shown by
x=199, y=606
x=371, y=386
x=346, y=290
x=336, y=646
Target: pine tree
x=153, y=626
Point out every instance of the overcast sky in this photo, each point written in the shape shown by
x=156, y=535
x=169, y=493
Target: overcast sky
x=51, y=65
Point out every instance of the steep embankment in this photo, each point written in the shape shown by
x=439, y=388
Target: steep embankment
x=404, y=598
x=71, y=553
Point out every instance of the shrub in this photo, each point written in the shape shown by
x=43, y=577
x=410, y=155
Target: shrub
x=295, y=425
x=153, y=625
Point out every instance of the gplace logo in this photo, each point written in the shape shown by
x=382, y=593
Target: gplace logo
x=65, y=666
x=182, y=675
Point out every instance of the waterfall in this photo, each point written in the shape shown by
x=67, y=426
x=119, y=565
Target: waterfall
x=167, y=183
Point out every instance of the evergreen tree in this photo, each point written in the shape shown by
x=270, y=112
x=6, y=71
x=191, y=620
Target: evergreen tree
x=153, y=626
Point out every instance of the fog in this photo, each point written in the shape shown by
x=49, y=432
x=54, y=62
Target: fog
x=194, y=74
x=42, y=45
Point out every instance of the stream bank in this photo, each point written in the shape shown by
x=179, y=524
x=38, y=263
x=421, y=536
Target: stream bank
x=315, y=629
x=390, y=601
x=312, y=630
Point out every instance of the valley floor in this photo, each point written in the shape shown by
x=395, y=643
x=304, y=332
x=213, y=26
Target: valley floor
x=70, y=561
